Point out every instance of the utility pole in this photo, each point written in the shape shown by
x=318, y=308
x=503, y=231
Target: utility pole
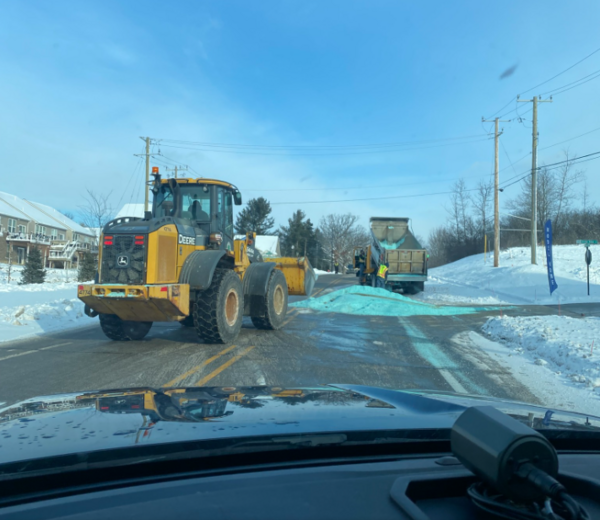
x=147, y=188
x=496, y=189
x=534, y=144
x=177, y=169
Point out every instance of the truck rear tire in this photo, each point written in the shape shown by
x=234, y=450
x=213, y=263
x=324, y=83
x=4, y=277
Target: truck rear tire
x=276, y=303
x=219, y=309
x=121, y=330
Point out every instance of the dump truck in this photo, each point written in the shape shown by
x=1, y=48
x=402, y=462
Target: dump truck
x=392, y=242
x=181, y=263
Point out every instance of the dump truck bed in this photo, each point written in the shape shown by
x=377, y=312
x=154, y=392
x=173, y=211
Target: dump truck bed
x=393, y=242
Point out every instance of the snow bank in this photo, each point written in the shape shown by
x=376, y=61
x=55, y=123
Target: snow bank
x=27, y=310
x=562, y=344
x=369, y=301
x=516, y=281
x=45, y=316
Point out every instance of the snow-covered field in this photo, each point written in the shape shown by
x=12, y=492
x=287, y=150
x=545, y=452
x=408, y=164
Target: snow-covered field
x=516, y=281
x=556, y=357
x=27, y=310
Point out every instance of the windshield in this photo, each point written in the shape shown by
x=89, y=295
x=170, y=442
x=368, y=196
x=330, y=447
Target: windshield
x=421, y=209
x=195, y=202
x=163, y=202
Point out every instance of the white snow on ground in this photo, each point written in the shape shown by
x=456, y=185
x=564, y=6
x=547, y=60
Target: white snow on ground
x=556, y=357
x=33, y=309
x=516, y=281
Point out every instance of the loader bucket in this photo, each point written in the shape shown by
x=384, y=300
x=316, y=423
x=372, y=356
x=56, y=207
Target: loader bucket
x=298, y=273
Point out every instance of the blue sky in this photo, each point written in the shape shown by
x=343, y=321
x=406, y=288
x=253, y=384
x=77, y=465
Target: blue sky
x=83, y=80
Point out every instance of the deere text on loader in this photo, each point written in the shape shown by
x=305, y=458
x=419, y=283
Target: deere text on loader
x=181, y=263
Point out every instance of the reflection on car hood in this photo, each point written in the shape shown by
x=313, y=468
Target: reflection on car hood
x=90, y=421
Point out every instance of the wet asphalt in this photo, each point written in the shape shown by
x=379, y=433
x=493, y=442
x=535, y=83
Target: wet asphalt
x=418, y=352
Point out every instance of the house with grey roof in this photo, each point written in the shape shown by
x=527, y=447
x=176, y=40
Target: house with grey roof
x=25, y=224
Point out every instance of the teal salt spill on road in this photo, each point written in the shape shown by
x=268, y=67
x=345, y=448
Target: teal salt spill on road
x=368, y=301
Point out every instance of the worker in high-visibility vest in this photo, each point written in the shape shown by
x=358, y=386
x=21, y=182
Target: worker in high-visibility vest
x=382, y=275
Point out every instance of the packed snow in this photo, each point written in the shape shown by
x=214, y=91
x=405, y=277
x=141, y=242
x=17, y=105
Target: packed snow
x=556, y=357
x=565, y=345
x=370, y=301
x=32, y=309
x=474, y=280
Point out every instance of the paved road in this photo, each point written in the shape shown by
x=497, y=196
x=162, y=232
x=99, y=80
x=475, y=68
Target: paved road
x=313, y=348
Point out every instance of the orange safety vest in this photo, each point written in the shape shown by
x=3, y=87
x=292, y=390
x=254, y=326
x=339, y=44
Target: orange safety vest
x=382, y=270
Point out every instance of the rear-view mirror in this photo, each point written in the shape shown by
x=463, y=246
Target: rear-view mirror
x=237, y=198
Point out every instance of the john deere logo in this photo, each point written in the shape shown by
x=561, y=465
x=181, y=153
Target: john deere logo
x=123, y=261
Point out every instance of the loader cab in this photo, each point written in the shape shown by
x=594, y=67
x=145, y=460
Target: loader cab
x=203, y=203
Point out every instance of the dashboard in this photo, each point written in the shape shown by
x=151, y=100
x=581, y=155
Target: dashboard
x=407, y=487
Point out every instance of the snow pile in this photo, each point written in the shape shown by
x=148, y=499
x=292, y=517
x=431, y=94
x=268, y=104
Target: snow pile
x=369, y=301
x=516, y=281
x=562, y=344
x=37, y=308
x=45, y=316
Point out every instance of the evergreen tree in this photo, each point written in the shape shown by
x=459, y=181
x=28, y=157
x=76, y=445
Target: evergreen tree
x=298, y=236
x=255, y=217
x=34, y=271
x=87, y=268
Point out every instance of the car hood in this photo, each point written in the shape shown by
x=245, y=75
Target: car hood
x=90, y=421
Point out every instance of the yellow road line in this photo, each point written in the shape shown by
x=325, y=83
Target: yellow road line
x=198, y=367
x=34, y=351
x=217, y=371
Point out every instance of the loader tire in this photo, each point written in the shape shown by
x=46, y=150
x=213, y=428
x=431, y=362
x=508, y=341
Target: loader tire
x=219, y=309
x=121, y=330
x=188, y=321
x=276, y=303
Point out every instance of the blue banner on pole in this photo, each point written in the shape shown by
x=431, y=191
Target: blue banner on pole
x=548, y=240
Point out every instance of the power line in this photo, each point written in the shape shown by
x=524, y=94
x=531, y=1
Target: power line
x=576, y=160
x=373, y=145
x=546, y=81
x=371, y=198
x=433, y=181
x=578, y=85
x=571, y=139
x=283, y=153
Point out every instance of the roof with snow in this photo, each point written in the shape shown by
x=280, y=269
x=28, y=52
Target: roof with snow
x=131, y=210
x=31, y=211
x=10, y=211
x=62, y=219
x=268, y=245
x=17, y=207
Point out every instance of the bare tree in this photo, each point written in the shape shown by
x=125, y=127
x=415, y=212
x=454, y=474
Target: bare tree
x=566, y=179
x=97, y=211
x=482, y=200
x=340, y=235
x=459, y=210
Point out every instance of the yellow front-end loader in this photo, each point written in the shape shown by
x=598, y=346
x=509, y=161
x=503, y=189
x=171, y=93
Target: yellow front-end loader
x=181, y=263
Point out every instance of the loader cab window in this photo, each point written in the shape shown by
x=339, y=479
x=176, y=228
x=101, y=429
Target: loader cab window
x=163, y=202
x=225, y=211
x=195, y=202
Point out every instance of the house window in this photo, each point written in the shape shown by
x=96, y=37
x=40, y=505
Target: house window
x=22, y=229
x=12, y=225
x=61, y=237
x=40, y=230
x=75, y=236
x=53, y=233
